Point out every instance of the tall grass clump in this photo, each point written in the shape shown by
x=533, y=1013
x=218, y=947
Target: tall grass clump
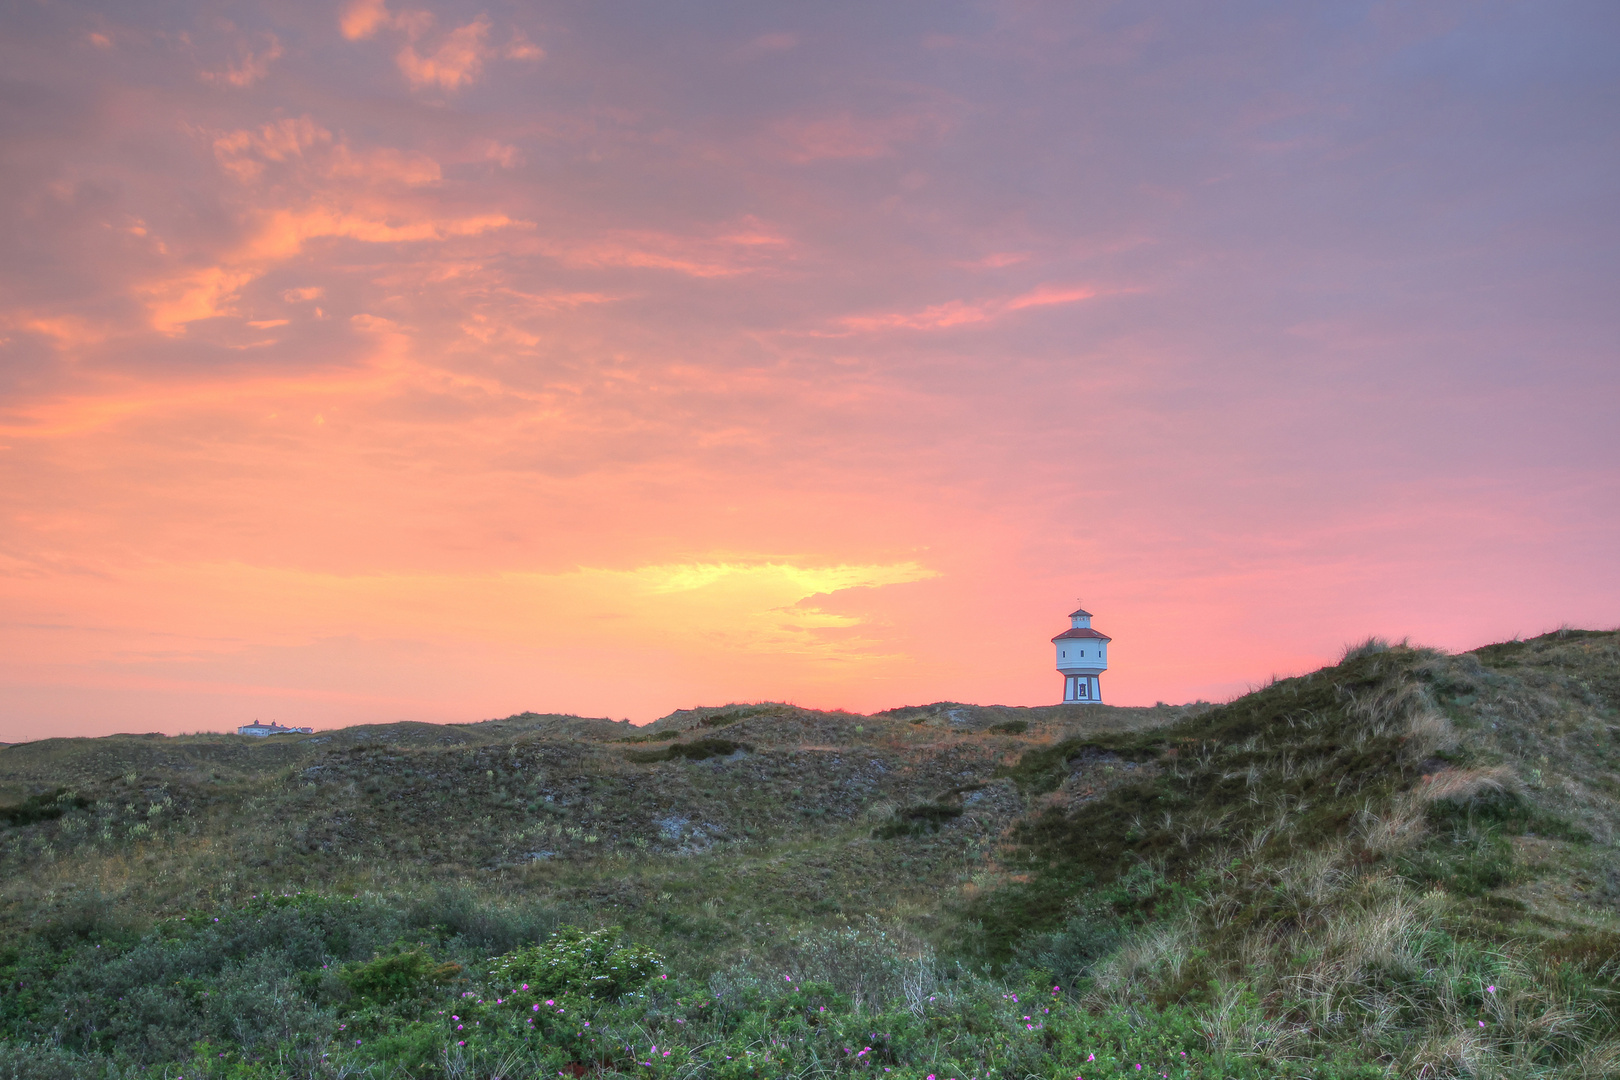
x=1304, y=869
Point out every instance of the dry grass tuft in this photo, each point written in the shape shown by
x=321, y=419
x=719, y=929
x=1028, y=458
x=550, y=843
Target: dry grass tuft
x=1428, y=733
x=1464, y=787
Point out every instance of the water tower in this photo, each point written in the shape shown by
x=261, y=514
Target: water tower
x=1082, y=656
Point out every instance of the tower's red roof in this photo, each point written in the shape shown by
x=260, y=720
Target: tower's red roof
x=1082, y=632
x=1079, y=611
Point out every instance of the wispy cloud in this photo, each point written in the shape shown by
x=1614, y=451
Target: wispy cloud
x=245, y=153
x=362, y=18
x=453, y=62
x=67, y=332
x=458, y=60
x=959, y=313
x=734, y=251
x=253, y=65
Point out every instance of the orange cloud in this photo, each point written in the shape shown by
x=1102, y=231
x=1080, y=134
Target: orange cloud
x=503, y=155
x=208, y=293
x=726, y=255
x=285, y=232
x=562, y=299
x=336, y=192
x=242, y=153
x=454, y=64
x=996, y=261
x=521, y=48
x=956, y=313
x=202, y=294
x=66, y=332
x=254, y=66
x=384, y=164
x=362, y=18
x=748, y=604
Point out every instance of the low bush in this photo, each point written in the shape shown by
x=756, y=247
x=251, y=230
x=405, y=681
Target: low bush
x=696, y=750
x=45, y=807
x=402, y=976
x=919, y=820
x=597, y=964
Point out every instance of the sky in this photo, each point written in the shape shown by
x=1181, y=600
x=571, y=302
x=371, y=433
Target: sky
x=384, y=360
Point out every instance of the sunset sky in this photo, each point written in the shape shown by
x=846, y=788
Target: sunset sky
x=375, y=361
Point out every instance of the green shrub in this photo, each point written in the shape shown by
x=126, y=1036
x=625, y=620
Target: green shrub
x=46, y=807
x=696, y=750
x=651, y=736
x=919, y=820
x=597, y=963
x=456, y=916
x=397, y=977
x=1070, y=952
x=30, y=1061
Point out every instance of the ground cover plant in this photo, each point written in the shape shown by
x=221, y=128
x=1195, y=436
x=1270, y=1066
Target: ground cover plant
x=1401, y=865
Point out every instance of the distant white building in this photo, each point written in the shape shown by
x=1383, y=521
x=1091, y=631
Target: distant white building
x=1082, y=657
x=261, y=731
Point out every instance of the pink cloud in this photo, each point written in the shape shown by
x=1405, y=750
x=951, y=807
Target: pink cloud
x=275, y=235
x=521, y=48
x=250, y=69
x=502, y=154
x=66, y=332
x=455, y=63
x=283, y=233
x=728, y=254
x=192, y=297
x=362, y=18
x=245, y=152
x=457, y=60
x=955, y=313
x=996, y=260
x=384, y=165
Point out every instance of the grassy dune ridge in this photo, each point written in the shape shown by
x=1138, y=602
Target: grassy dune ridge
x=1404, y=864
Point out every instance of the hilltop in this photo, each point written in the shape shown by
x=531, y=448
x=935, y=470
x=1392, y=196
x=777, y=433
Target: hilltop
x=1332, y=868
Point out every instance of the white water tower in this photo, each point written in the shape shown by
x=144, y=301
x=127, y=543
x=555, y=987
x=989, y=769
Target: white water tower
x=1082, y=656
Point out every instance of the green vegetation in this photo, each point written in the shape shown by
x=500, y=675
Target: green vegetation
x=918, y=820
x=1402, y=865
x=46, y=806
x=696, y=750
